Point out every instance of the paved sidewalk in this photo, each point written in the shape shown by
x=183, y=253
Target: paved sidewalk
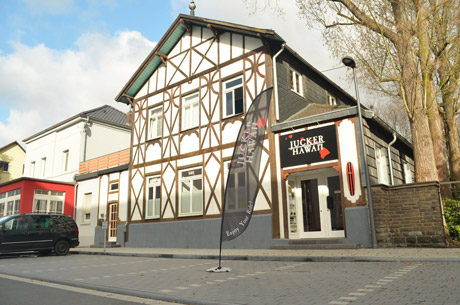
x=345, y=255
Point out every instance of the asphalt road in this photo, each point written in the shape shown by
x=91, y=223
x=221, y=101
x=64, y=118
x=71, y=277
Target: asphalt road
x=15, y=291
x=249, y=282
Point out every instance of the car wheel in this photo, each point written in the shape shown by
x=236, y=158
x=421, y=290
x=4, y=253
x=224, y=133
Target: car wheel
x=61, y=247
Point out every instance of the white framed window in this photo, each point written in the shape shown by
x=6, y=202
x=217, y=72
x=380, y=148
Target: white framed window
x=113, y=187
x=87, y=207
x=233, y=97
x=381, y=160
x=46, y=201
x=4, y=166
x=9, y=202
x=32, y=169
x=236, y=188
x=190, y=111
x=153, y=208
x=191, y=192
x=331, y=100
x=43, y=167
x=408, y=176
x=295, y=82
x=156, y=122
x=65, y=160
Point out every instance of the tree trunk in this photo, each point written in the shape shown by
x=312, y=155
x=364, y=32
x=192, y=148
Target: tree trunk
x=439, y=143
x=452, y=138
x=425, y=166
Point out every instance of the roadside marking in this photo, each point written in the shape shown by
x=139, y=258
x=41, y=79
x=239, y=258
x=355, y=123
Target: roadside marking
x=353, y=296
x=348, y=298
x=87, y=291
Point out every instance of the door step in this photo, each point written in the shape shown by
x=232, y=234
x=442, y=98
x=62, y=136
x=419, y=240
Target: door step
x=316, y=243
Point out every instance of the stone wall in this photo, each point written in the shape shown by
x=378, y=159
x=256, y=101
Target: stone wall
x=408, y=215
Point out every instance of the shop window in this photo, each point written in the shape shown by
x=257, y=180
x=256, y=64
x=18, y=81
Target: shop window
x=191, y=192
x=153, y=208
x=46, y=201
x=233, y=96
x=9, y=202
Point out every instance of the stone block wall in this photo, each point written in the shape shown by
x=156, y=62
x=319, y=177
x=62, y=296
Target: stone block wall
x=408, y=215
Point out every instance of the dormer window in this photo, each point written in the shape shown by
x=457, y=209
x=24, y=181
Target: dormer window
x=331, y=100
x=295, y=80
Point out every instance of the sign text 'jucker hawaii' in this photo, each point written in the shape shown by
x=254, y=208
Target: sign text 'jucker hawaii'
x=308, y=146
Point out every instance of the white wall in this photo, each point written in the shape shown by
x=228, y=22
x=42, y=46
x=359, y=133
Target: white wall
x=104, y=139
x=86, y=228
x=51, y=146
x=101, y=139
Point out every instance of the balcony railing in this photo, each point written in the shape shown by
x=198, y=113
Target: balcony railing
x=107, y=161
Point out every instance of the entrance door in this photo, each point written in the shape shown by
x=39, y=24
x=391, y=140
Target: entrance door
x=318, y=208
x=113, y=222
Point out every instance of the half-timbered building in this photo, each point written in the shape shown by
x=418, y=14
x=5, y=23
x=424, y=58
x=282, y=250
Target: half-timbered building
x=189, y=98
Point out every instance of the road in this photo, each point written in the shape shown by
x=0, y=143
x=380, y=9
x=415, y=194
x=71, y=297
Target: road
x=249, y=282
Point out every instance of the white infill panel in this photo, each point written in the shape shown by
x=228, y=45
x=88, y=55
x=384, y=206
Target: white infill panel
x=251, y=43
x=237, y=45
x=349, y=160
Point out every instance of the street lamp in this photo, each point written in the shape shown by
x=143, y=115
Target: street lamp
x=350, y=62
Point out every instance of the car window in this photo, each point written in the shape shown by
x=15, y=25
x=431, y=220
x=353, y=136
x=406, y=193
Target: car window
x=41, y=222
x=17, y=223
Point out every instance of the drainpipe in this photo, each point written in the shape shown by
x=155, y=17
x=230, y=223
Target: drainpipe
x=85, y=134
x=389, y=158
x=275, y=82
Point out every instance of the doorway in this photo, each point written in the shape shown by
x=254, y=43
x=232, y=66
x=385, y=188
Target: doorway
x=113, y=222
x=315, y=207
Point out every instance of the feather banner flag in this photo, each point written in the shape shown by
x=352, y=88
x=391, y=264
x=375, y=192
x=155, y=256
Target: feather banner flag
x=243, y=174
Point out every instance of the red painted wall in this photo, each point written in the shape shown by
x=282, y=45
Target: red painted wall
x=28, y=186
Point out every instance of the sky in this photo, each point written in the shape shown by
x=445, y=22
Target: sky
x=62, y=57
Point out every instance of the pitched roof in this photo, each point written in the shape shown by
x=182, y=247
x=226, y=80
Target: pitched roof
x=107, y=114
x=314, y=109
x=12, y=144
x=104, y=114
x=181, y=25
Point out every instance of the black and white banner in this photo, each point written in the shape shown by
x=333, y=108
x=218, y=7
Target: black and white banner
x=243, y=175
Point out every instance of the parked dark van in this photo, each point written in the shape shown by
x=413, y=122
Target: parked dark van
x=38, y=232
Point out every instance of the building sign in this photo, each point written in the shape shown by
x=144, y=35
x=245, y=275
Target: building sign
x=308, y=146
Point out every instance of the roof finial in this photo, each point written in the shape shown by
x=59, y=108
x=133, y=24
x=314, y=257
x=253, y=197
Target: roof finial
x=192, y=7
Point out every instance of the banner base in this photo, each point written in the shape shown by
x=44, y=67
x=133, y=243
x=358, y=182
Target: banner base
x=219, y=269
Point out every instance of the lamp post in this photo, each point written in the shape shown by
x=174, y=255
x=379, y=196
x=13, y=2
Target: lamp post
x=350, y=62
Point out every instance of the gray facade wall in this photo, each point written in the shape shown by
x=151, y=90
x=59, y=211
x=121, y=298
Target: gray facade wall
x=376, y=136
x=203, y=233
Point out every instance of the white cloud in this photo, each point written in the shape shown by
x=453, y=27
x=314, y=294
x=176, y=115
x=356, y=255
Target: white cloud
x=43, y=86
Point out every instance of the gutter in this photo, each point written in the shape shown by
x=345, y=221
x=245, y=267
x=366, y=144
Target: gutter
x=389, y=158
x=275, y=82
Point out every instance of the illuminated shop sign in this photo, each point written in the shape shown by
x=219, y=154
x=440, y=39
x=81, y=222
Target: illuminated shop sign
x=308, y=146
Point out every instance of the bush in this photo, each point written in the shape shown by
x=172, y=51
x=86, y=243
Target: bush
x=452, y=215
